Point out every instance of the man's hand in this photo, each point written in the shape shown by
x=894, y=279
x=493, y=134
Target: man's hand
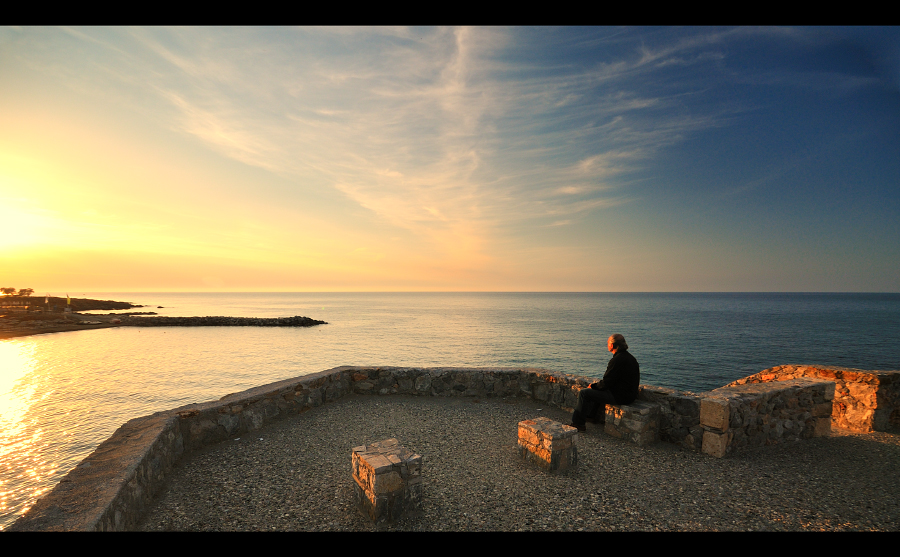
x=597, y=385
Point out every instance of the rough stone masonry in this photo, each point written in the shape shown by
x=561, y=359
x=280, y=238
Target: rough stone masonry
x=112, y=487
x=549, y=444
x=388, y=480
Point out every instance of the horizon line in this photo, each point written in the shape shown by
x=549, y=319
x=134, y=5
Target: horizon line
x=38, y=293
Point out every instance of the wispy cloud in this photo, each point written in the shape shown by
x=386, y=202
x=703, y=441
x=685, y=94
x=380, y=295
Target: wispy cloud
x=446, y=149
x=448, y=133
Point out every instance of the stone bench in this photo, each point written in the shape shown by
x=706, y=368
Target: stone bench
x=388, y=481
x=637, y=422
x=549, y=444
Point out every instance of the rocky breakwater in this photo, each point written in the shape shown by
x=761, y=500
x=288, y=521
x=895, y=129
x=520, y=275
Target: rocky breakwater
x=296, y=321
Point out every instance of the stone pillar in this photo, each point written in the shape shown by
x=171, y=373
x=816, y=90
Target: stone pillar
x=715, y=417
x=551, y=445
x=388, y=481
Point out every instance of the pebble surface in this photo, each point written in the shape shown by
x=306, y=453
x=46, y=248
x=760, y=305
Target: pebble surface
x=294, y=475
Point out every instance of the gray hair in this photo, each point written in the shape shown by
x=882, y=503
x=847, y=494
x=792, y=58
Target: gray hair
x=619, y=342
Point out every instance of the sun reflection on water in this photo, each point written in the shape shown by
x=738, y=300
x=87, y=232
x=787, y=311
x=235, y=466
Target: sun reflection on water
x=21, y=438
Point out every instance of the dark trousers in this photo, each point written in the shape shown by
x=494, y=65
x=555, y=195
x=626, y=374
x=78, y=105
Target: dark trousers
x=589, y=402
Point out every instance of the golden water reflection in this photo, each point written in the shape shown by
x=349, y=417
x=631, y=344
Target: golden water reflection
x=64, y=393
x=22, y=457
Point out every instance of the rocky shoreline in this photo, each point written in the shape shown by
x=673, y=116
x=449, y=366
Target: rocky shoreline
x=51, y=323
x=17, y=322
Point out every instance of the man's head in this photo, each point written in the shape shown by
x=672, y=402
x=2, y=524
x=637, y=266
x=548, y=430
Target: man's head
x=616, y=342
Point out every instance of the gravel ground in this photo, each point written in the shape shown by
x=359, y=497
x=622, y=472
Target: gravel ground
x=295, y=475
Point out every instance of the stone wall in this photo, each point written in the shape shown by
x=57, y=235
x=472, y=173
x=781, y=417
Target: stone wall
x=739, y=417
x=558, y=389
x=112, y=488
x=864, y=401
x=679, y=415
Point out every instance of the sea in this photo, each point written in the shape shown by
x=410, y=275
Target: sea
x=62, y=394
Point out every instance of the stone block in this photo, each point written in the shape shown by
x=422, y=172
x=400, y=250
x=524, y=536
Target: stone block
x=715, y=413
x=716, y=444
x=823, y=409
x=387, y=481
x=549, y=444
x=637, y=422
x=823, y=427
x=687, y=406
x=423, y=383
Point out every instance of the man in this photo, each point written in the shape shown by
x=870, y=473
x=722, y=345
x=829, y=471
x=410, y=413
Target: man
x=618, y=386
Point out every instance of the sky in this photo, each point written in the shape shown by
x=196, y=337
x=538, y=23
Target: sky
x=450, y=159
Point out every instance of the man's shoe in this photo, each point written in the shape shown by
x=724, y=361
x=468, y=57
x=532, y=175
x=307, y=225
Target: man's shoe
x=597, y=421
x=578, y=427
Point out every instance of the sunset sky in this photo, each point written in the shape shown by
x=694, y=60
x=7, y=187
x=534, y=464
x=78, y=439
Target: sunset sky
x=450, y=159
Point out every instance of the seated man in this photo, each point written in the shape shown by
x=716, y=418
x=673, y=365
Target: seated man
x=618, y=386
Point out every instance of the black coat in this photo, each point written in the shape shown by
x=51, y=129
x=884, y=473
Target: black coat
x=622, y=377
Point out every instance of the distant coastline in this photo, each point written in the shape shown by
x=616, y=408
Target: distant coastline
x=35, y=319
x=38, y=315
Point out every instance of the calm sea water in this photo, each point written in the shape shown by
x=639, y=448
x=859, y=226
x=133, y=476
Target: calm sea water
x=62, y=394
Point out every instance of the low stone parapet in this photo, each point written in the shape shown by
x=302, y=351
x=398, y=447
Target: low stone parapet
x=752, y=415
x=679, y=415
x=864, y=401
x=549, y=444
x=637, y=422
x=110, y=488
x=554, y=388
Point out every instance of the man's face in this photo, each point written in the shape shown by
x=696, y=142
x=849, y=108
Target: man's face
x=609, y=344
